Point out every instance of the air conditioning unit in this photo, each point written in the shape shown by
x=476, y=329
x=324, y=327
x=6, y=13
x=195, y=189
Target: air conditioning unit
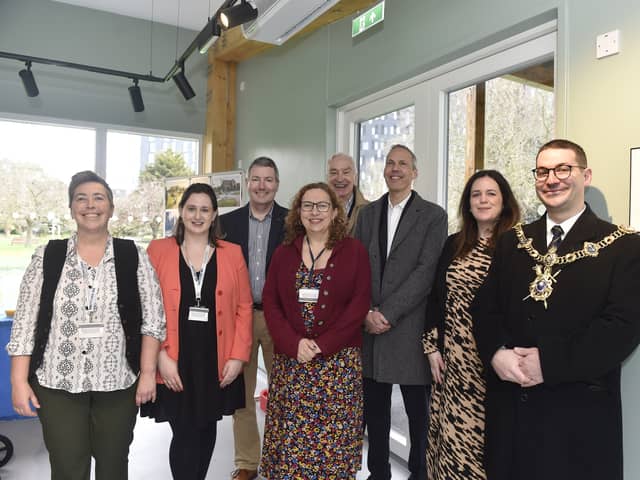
x=280, y=19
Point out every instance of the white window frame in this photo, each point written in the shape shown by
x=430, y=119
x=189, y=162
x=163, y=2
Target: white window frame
x=101, y=129
x=429, y=93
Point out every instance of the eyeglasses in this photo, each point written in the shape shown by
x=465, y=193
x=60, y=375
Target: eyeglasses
x=322, y=207
x=561, y=172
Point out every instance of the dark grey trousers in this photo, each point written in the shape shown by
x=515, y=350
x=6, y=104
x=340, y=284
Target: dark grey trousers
x=78, y=426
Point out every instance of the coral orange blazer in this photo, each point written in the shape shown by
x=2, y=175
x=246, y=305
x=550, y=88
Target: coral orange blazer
x=234, y=303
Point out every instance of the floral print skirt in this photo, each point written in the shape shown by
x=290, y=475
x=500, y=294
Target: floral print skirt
x=314, y=426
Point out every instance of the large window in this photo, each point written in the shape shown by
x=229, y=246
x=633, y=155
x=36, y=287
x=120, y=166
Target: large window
x=443, y=106
x=377, y=135
x=37, y=161
x=499, y=124
x=137, y=165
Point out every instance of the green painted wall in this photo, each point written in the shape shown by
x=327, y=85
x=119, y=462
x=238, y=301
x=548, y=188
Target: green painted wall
x=43, y=28
x=303, y=82
x=282, y=109
x=287, y=106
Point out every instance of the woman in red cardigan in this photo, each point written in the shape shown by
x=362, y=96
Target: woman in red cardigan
x=207, y=299
x=315, y=299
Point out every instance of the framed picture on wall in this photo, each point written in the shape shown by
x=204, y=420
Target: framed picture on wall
x=200, y=179
x=228, y=187
x=634, y=204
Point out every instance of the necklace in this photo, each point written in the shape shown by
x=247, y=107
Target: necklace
x=541, y=287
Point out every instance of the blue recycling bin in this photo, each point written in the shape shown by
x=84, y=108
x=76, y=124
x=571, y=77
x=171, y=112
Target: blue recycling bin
x=6, y=408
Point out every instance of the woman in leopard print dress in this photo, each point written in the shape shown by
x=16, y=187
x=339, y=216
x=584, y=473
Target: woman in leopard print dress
x=456, y=430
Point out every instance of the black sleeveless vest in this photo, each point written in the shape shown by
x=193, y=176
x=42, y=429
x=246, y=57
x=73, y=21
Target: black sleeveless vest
x=126, y=260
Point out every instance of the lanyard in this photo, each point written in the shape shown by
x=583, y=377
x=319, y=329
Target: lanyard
x=313, y=259
x=198, y=280
x=91, y=284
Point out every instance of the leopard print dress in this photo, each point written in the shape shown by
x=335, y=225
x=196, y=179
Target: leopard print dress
x=456, y=428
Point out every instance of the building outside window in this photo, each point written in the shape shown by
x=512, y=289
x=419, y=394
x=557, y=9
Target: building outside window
x=37, y=161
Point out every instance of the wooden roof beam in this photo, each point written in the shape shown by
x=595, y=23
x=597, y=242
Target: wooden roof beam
x=232, y=46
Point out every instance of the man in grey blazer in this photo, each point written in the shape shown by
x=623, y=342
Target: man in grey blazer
x=404, y=235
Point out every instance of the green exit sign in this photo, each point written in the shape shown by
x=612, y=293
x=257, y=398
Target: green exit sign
x=368, y=19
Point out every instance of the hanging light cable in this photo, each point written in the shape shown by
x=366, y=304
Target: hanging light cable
x=151, y=39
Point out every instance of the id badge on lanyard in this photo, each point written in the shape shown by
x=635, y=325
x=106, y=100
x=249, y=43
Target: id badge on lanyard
x=199, y=313
x=308, y=294
x=91, y=329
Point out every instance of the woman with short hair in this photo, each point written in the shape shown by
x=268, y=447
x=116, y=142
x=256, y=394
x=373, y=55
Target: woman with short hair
x=85, y=339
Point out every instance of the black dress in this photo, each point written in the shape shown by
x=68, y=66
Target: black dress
x=202, y=401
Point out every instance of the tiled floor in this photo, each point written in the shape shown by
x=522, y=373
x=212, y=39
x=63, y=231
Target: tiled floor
x=148, y=457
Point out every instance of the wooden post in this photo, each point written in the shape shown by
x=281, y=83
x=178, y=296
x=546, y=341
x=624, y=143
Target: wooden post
x=230, y=48
x=219, y=138
x=470, y=144
x=474, y=157
x=479, y=133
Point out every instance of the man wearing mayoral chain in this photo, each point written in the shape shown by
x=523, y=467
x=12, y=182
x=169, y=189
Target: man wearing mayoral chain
x=556, y=318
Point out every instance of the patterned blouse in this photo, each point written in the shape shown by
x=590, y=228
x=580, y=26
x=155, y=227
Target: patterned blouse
x=77, y=364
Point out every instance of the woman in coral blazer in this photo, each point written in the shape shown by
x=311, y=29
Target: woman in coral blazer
x=207, y=298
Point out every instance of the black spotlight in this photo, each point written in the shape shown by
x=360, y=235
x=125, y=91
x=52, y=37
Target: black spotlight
x=238, y=14
x=136, y=97
x=183, y=84
x=29, y=81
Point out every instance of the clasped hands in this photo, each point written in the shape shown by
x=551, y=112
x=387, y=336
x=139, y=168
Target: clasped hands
x=307, y=350
x=168, y=368
x=375, y=323
x=518, y=365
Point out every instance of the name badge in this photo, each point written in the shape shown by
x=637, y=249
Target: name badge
x=308, y=295
x=198, y=314
x=90, y=330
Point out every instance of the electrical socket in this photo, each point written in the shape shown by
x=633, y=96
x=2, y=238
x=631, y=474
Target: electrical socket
x=608, y=44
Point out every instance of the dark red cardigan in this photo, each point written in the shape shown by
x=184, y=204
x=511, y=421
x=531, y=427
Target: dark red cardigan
x=345, y=297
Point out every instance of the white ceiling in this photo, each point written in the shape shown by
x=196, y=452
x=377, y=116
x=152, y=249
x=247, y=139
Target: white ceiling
x=193, y=13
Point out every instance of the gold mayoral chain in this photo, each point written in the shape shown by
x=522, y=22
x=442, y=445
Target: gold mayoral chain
x=541, y=287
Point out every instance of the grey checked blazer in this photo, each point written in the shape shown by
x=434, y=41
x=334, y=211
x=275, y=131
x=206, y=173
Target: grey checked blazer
x=401, y=294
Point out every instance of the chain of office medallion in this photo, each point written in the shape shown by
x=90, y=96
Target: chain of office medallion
x=589, y=249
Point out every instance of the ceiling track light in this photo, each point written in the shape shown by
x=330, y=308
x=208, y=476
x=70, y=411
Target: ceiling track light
x=136, y=97
x=29, y=81
x=233, y=15
x=208, y=35
x=238, y=14
x=183, y=84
